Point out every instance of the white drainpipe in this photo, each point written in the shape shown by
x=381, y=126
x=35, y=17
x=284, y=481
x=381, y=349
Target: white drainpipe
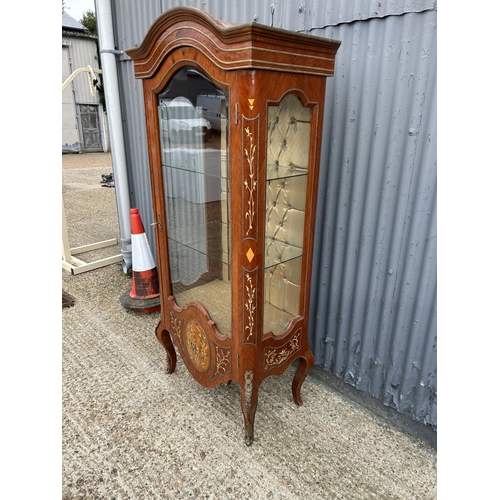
x=110, y=81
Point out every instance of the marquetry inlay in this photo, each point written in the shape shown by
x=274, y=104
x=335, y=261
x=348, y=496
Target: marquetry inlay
x=250, y=255
x=197, y=346
x=250, y=182
x=276, y=357
x=250, y=306
x=222, y=361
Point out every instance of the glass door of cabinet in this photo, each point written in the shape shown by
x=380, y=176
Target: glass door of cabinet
x=193, y=134
x=287, y=166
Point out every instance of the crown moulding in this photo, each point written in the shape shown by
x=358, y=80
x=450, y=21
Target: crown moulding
x=231, y=46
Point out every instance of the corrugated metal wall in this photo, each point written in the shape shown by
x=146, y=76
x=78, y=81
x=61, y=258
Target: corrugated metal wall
x=80, y=52
x=70, y=135
x=83, y=52
x=374, y=282
x=375, y=254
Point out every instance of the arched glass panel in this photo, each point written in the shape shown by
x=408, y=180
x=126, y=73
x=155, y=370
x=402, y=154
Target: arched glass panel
x=193, y=129
x=288, y=138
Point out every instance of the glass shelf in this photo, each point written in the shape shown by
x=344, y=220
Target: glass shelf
x=207, y=239
x=189, y=255
x=277, y=252
x=208, y=161
x=275, y=172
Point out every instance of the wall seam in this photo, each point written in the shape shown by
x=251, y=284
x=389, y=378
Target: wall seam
x=360, y=20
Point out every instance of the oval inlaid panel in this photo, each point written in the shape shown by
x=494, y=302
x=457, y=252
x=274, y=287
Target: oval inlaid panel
x=197, y=346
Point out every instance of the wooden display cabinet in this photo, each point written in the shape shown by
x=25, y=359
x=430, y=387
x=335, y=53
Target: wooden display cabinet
x=234, y=118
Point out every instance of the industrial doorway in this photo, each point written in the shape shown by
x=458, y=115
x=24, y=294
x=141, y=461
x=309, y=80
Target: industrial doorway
x=91, y=130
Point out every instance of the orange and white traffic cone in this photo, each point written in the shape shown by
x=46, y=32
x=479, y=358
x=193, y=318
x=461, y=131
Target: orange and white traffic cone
x=145, y=293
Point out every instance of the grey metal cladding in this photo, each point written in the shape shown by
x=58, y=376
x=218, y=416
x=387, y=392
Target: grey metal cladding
x=374, y=288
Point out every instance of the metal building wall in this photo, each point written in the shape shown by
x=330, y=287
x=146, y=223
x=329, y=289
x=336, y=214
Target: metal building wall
x=375, y=255
x=374, y=279
x=82, y=52
x=70, y=136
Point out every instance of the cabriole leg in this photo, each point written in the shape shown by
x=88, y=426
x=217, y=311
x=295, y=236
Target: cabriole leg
x=305, y=365
x=164, y=337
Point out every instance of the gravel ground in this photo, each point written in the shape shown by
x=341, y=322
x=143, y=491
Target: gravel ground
x=131, y=431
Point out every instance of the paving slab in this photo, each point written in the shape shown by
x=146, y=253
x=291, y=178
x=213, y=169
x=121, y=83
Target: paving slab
x=132, y=431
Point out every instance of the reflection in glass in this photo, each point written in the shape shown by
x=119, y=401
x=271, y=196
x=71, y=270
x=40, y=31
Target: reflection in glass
x=193, y=132
x=288, y=137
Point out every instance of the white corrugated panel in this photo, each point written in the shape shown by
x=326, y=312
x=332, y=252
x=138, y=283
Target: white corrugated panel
x=83, y=53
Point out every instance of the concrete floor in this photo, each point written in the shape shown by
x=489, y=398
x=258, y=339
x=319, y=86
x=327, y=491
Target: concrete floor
x=131, y=431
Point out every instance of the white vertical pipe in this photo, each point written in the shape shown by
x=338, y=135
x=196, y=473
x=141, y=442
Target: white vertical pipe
x=110, y=80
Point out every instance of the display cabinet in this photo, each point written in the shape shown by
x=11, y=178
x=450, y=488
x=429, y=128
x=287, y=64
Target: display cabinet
x=234, y=118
